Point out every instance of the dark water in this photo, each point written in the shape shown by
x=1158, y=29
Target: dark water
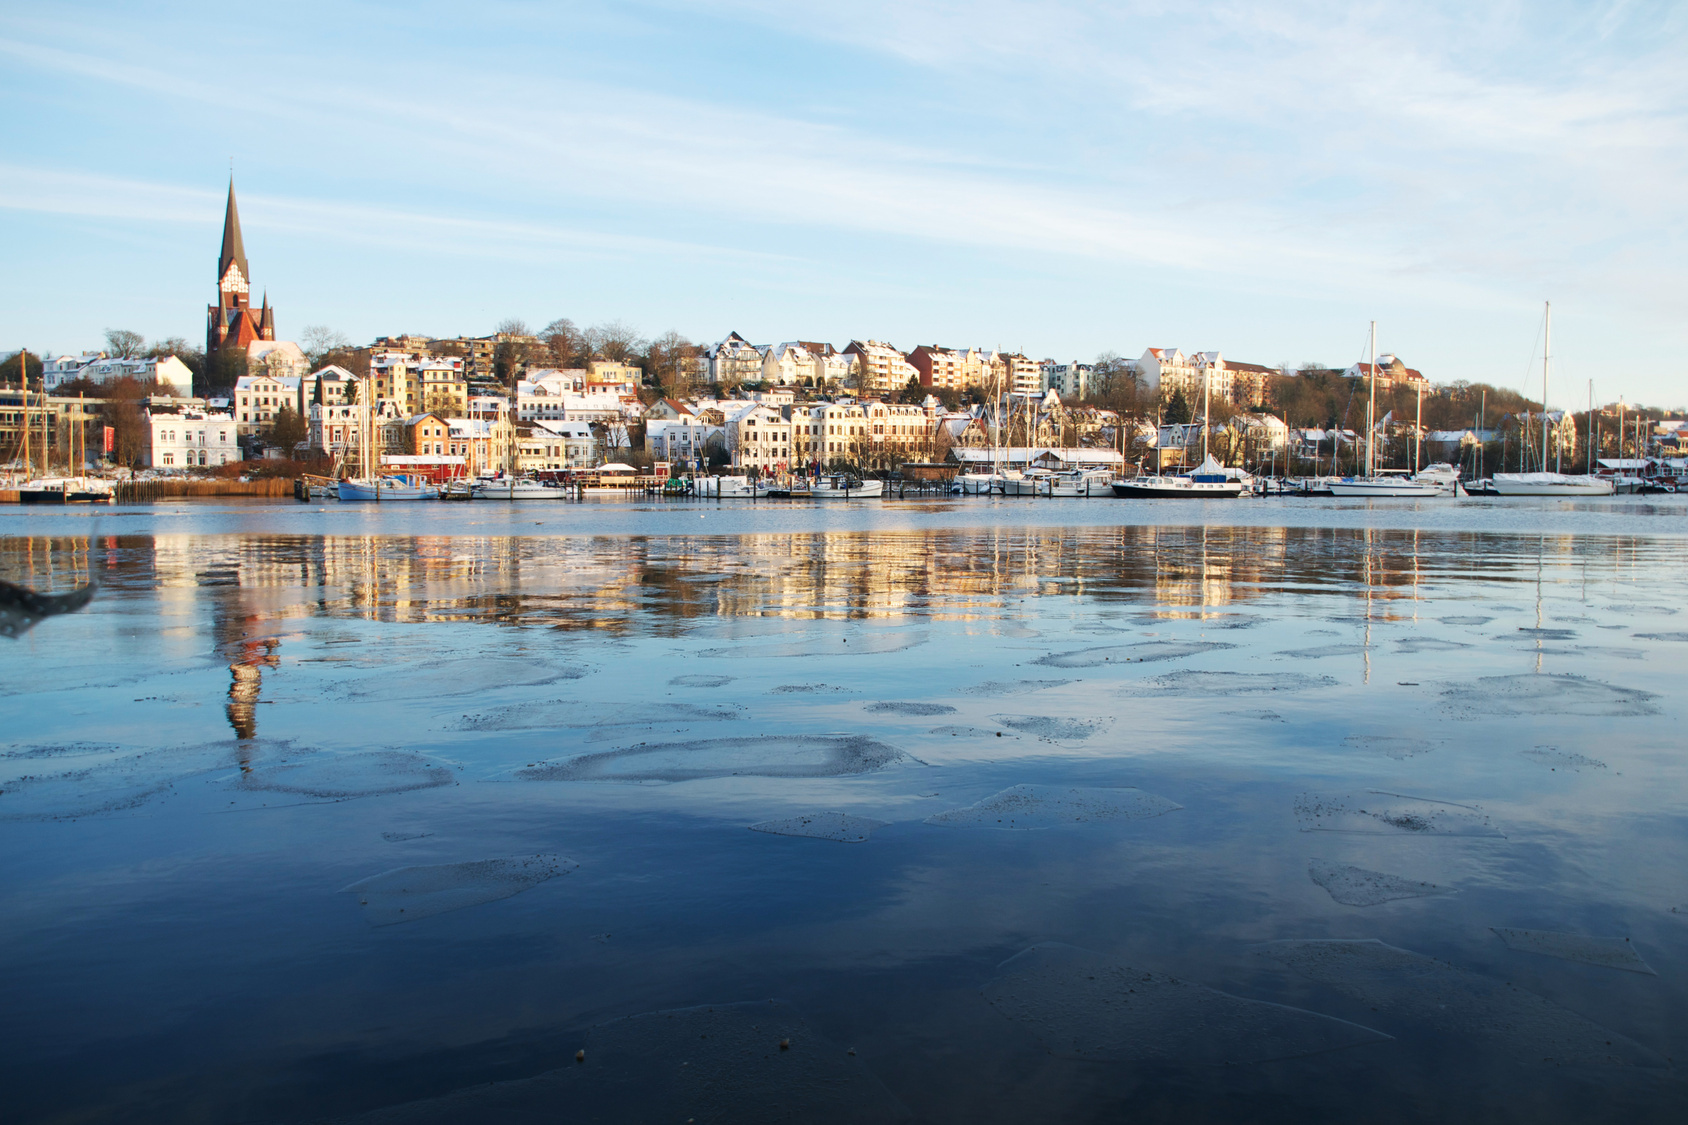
x=1265, y=812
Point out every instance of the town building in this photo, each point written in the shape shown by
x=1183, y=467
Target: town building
x=168, y=371
x=1390, y=372
x=190, y=438
x=1022, y=374
x=759, y=437
x=733, y=361
x=883, y=369
x=258, y=398
x=1069, y=380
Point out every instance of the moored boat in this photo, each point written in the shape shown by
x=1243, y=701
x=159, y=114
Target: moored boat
x=67, y=490
x=1550, y=484
x=1207, y=481
x=386, y=489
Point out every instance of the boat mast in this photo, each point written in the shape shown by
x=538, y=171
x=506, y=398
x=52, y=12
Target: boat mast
x=1590, y=459
x=1418, y=430
x=1546, y=354
x=23, y=381
x=1371, y=407
x=1207, y=385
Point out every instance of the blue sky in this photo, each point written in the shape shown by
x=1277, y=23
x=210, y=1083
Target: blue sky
x=1059, y=178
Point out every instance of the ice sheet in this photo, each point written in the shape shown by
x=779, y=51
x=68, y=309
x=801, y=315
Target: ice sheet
x=1606, y=952
x=554, y=714
x=1082, y=1005
x=1455, y=1004
x=1391, y=746
x=409, y=893
x=107, y=785
x=1054, y=728
x=342, y=776
x=903, y=707
x=457, y=677
x=823, y=826
x=1358, y=886
x=851, y=644
x=1663, y=636
x=1543, y=694
x=1013, y=687
x=1379, y=813
x=701, y=681
x=758, y=1063
x=1028, y=807
x=1557, y=759
x=1236, y=683
x=764, y=756
x=1143, y=653
x=1322, y=652
x=1427, y=644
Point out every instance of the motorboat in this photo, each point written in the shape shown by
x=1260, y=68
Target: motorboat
x=977, y=484
x=67, y=490
x=1551, y=484
x=1482, y=486
x=387, y=488
x=841, y=486
x=516, y=488
x=1432, y=481
x=1079, y=482
x=725, y=488
x=1208, y=481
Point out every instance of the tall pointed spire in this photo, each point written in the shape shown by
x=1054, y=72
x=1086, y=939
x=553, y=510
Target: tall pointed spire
x=234, y=249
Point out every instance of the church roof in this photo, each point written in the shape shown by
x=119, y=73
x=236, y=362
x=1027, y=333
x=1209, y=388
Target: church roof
x=234, y=249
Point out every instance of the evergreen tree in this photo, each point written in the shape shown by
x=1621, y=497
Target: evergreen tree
x=1177, y=412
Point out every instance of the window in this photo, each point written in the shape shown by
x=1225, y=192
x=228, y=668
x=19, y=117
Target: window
x=169, y=458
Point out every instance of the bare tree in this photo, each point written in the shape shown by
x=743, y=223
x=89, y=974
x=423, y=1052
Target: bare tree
x=318, y=340
x=124, y=344
x=564, y=342
x=616, y=340
x=668, y=361
x=512, y=326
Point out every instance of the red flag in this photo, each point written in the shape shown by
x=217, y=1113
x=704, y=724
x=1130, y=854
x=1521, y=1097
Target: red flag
x=110, y=439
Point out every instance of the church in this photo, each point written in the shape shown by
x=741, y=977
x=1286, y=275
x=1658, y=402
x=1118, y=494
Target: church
x=232, y=322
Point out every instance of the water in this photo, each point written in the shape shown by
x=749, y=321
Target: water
x=908, y=811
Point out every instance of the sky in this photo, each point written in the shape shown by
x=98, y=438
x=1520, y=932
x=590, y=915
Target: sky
x=1059, y=178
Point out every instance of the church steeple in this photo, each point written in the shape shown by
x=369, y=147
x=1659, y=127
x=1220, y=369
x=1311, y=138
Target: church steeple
x=234, y=249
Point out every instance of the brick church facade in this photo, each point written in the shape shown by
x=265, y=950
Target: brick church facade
x=232, y=322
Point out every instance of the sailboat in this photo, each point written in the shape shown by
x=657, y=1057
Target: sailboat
x=47, y=489
x=371, y=485
x=1435, y=480
x=1208, y=481
x=1545, y=483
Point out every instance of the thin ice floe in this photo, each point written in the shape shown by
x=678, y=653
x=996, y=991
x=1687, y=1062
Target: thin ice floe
x=1451, y=1003
x=1557, y=759
x=408, y=893
x=1012, y=687
x=1427, y=644
x=900, y=707
x=1466, y=620
x=1029, y=807
x=1662, y=636
x=1376, y=813
x=854, y=644
x=807, y=689
x=1545, y=695
x=838, y=826
x=457, y=677
x=1054, y=728
x=1606, y=952
x=954, y=730
x=701, y=681
x=756, y=1063
x=332, y=776
x=1321, y=652
x=1146, y=652
x=97, y=783
x=1390, y=746
x=401, y=837
x=765, y=756
x=555, y=714
x=1544, y=634
x=1082, y=1005
x=1235, y=683
x=1358, y=886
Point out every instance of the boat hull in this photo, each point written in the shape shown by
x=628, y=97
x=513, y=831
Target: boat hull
x=1549, y=484
x=384, y=493
x=1396, y=489
x=1172, y=488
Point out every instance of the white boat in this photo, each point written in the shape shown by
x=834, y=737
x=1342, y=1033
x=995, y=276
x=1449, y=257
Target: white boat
x=1550, y=484
x=725, y=488
x=842, y=487
x=1431, y=481
x=386, y=489
x=1208, y=481
x=515, y=488
x=978, y=484
x=1080, y=482
x=67, y=490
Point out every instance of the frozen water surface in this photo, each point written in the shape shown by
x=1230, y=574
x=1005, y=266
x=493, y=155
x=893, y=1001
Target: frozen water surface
x=993, y=702
x=1606, y=952
x=409, y=894
x=1084, y=1006
x=1026, y=807
x=838, y=826
x=1358, y=886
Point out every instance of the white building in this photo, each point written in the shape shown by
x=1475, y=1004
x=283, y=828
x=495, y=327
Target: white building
x=191, y=439
x=1070, y=380
x=685, y=439
x=734, y=360
x=554, y=446
x=257, y=398
x=168, y=371
x=759, y=437
x=882, y=367
x=276, y=358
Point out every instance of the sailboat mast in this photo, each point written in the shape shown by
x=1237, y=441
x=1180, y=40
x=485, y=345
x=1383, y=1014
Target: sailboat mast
x=1207, y=386
x=1371, y=407
x=23, y=381
x=1546, y=355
